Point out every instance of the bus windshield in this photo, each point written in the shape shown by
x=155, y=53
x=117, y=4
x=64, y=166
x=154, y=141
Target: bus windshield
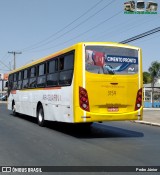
x=111, y=60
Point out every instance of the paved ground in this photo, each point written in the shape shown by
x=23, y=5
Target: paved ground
x=151, y=116
x=23, y=142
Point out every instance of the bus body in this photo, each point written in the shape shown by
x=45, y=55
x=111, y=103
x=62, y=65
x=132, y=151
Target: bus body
x=85, y=83
x=151, y=6
x=129, y=6
x=140, y=6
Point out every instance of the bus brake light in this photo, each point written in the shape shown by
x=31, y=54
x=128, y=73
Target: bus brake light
x=83, y=99
x=138, y=99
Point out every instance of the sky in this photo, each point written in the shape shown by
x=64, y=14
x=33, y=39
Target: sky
x=38, y=28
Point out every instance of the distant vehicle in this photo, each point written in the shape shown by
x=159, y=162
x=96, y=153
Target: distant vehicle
x=129, y=6
x=3, y=98
x=140, y=6
x=151, y=6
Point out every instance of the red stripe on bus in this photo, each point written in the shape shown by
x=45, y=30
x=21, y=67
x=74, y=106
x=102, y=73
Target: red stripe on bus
x=51, y=88
x=39, y=89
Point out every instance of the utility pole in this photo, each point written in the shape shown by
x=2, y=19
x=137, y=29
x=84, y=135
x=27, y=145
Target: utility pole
x=14, y=53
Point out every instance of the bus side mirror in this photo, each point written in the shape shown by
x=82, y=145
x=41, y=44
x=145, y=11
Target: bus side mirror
x=6, y=85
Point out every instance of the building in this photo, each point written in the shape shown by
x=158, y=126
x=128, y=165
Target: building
x=152, y=95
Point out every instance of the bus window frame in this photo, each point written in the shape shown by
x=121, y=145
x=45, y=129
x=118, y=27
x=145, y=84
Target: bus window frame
x=62, y=69
x=19, y=80
x=14, y=87
x=41, y=76
x=10, y=82
x=32, y=77
x=58, y=71
x=52, y=73
x=25, y=78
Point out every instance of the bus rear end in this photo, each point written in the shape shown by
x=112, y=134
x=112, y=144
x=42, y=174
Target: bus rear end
x=111, y=88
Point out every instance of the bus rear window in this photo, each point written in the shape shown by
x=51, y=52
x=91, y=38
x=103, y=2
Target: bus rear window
x=111, y=60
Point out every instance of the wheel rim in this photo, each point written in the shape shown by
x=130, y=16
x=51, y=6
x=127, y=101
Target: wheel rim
x=13, y=109
x=40, y=116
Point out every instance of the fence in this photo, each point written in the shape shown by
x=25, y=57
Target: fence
x=151, y=97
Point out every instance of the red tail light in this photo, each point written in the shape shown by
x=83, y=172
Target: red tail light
x=83, y=99
x=138, y=99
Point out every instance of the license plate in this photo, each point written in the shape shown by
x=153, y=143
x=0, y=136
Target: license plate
x=113, y=109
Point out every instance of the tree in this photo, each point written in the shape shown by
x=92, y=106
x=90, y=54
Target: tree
x=146, y=78
x=154, y=71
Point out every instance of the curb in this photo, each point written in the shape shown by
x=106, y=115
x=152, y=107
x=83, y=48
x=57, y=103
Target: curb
x=147, y=123
x=151, y=109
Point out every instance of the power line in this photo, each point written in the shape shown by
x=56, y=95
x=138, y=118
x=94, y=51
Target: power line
x=5, y=69
x=132, y=24
x=4, y=65
x=59, y=31
x=150, y=32
x=4, y=56
x=92, y=28
x=91, y=16
x=149, y=39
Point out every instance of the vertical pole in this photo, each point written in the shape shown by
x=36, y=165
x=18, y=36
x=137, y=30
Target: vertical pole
x=144, y=89
x=2, y=85
x=151, y=97
x=14, y=60
x=14, y=54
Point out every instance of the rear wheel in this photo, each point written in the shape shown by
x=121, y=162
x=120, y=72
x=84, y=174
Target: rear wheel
x=14, y=109
x=40, y=116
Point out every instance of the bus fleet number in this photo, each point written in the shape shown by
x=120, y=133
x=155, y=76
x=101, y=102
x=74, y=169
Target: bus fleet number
x=112, y=93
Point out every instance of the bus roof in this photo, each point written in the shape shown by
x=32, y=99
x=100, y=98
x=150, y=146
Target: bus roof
x=70, y=49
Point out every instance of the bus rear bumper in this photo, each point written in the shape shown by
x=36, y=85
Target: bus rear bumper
x=99, y=117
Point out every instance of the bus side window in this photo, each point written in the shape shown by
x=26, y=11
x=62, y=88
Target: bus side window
x=52, y=74
x=25, y=79
x=66, y=69
x=69, y=62
x=41, y=80
x=14, y=81
x=61, y=63
x=32, y=75
x=19, y=85
x=10, y=81
x=10, y=84
x=65, y=78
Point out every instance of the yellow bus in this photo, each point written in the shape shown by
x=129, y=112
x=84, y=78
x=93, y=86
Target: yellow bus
x=87, y=82
x=151, y=6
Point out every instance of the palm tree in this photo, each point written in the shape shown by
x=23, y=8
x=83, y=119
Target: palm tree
x=154, y=70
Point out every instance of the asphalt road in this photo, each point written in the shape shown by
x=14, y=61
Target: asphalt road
x=24, y=143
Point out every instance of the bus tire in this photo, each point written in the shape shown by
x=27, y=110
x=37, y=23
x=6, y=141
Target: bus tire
x=14, y=109
x=40, y=116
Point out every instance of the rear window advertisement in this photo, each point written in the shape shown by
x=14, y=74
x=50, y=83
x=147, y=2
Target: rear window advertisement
x=103, y=63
